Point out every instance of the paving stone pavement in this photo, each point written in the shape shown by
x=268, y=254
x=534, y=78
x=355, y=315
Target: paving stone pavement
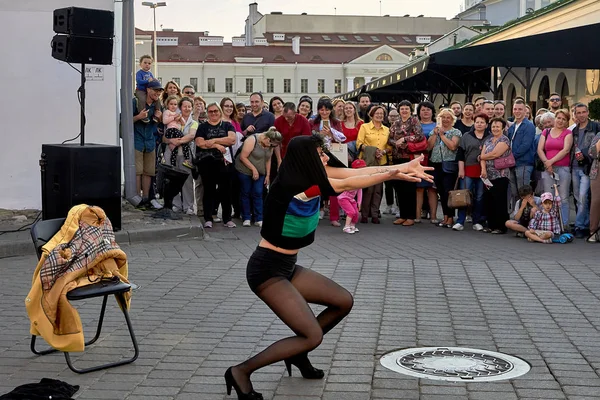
x=194, y=315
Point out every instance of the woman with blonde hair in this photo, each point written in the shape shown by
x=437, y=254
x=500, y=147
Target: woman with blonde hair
x=213, y=139
x=351, y=124
x=554, y=151
x=338, y=108
x=443, y=142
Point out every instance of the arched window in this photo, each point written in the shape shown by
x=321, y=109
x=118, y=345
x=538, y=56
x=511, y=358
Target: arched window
x=210, y=57
x=384, y=57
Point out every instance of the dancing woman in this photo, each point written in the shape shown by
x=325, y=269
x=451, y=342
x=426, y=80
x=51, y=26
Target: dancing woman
x=289, y=222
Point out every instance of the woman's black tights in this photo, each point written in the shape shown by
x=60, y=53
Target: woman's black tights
x=288, y=300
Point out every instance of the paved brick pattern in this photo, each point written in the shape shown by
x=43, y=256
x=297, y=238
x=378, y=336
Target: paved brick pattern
x=423, y=286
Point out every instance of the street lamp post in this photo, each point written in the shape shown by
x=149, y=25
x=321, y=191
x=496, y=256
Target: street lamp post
x=154, y=6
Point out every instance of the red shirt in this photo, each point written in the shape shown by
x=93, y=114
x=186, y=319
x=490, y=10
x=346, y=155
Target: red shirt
x=300, y=127
x=351, y=133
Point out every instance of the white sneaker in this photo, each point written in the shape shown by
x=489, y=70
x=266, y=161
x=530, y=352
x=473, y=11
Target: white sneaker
x=190, y=211
x=230, y=224
x=348, y=229
x=216, y=219
x=176, y=209
x=458, y=227
x=477, y=227
x=246, y=223
x=208, y=224
x=155, y=204
x=593, y=239
x=321, y=214
x=395, y=210
x=469, y=219
x=398, y=215
x=258, y=223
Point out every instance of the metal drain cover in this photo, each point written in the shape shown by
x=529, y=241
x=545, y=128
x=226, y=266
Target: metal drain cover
x=455, y=364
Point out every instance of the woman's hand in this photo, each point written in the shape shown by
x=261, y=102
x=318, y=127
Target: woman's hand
x=483, y=174
x=326, y=131
x=219, y=147
x=461, y=173
x=255, y=174
x=267, y=180
x=416, y=169
x=548, y=165
x=378, y=154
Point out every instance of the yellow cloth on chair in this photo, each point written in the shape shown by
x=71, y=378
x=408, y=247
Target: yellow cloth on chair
x=83, y=252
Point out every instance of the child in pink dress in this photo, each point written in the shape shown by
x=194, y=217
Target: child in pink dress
x=350, y=201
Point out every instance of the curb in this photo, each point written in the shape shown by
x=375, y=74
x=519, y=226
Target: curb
x=25, y=247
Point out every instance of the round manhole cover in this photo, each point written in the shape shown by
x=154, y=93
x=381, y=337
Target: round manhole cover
x=456, y=364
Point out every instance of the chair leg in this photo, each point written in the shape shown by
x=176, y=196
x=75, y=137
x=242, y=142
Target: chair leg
x=123, y=305
x=40, y=353
x=100, y=320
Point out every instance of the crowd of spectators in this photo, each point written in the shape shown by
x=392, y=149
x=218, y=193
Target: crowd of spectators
x=522, y=170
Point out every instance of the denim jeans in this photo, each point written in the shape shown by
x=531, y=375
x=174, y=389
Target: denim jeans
x=476, y=187
x=519, y=176
x=581, y=189
x=250, y=187
x=564, y=184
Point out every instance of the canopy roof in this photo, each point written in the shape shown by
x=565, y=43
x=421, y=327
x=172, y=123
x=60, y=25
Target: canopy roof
x=467, y=70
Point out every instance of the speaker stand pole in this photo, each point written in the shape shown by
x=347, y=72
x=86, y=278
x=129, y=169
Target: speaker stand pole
x=82, y=101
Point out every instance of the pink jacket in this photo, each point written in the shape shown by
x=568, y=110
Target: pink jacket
x=351, y=195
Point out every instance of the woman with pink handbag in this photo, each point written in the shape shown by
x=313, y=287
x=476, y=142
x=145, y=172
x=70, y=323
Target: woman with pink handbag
x=495, y=162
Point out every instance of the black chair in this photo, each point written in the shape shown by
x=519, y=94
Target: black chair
x=41, y=233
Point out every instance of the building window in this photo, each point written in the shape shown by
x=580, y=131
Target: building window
x=320, y=85
x=229, y=85
x=211, y=85
x=337, y=86
x=177, y=81
x=304, y=85
x=194, y=83
x=384, y=57
x=287, y=86
x=249, y=85
x=270, y=85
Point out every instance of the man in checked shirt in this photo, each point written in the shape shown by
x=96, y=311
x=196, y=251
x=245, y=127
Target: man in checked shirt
x=546, y=222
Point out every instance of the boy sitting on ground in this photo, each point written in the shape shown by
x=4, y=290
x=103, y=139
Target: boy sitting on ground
x=546, y=221
x=525, y=209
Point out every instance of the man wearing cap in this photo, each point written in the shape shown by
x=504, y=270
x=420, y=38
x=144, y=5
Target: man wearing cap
x=145, y=132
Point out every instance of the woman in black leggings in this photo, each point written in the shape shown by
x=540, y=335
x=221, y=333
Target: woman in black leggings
x=290, y=219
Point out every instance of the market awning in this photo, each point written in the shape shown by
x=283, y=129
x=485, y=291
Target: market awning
x=352, y=95
x=573, y=48
x=425, y=76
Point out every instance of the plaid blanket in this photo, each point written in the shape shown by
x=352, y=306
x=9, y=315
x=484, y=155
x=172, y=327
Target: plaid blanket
x=88, y=243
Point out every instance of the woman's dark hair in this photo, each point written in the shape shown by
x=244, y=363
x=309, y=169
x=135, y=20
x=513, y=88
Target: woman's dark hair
x=468, y=103
x=482, y=115
x=426, y=104
x=405, y=103
x=325, y=102
x=307, y=99
x=374, y=108
x=271, y=103
x=498, y=119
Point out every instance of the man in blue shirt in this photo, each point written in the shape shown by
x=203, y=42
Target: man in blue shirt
x=145, y=132
x=522, y=136
x=258, y=120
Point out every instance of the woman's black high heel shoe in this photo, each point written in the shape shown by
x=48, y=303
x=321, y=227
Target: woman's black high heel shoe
x=230, y=382
x=302, y=362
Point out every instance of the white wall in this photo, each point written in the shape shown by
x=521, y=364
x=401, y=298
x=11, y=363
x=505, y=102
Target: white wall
x=40, y=95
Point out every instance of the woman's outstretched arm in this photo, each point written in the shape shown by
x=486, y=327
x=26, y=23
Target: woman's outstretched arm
x=378, y=176
x=413, y=167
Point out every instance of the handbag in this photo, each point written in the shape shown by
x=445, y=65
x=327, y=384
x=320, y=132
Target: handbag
x=459, y=198
x=505, y=162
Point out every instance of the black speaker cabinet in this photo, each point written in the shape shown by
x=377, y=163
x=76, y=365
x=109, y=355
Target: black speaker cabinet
x=84, y=22
x=75, y=174
x=82, y=49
